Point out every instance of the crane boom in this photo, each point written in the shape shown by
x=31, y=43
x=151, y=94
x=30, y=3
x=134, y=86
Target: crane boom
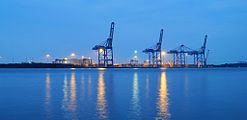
x=158, y=47
x=205, y=43
x=105, y=50
x=161, y=36
x=111, y=30
x=110, y=38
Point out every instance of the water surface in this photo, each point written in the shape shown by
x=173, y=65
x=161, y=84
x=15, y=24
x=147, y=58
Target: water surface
x=120, y=94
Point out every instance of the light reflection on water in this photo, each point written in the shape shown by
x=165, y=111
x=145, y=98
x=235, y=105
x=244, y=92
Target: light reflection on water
x=47, y=88
x=101, y=100
x=70, y=98
x=69, y=103
x=135, y=108
x=89, y=85
x=65, y=93
x=48, y=95
x=72, y=103
x=82, y=85
x=162, y=102
x=147, y=86
x=144, y=94
x=147, y=94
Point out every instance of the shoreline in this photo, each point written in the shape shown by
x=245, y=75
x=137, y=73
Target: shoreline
x=51, y=65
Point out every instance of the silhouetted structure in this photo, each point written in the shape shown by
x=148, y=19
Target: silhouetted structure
x=180, y=53
x=154, y=52
x=105, y=50
x=200, y=55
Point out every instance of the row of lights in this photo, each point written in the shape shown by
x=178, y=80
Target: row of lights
x=163, y=54
x=72, y=55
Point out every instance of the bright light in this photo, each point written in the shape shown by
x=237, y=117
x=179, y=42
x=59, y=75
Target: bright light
x=101, y=69
x=135, y=52
x=163, y=53
x=47, y=55
x=101, y=50
x=65, y=58
x=163, y=68
x=135, y=57
x=72, y=55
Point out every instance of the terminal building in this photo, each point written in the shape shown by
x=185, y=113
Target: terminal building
x=75, y=61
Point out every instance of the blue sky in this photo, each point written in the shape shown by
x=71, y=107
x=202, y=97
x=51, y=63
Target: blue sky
x=32, y=28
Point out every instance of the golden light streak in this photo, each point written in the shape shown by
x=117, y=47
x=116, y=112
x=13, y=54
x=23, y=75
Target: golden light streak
x=69, y=104
x=72, y=92
x=162, y=103
x=101, y=101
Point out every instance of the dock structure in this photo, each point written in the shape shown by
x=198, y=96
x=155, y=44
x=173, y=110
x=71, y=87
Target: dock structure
x=105, y=56
x=154, y=52
x=105, y=50
x=179, y=55
x=200, y=56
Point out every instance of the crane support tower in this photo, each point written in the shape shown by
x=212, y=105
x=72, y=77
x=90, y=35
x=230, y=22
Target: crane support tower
x=154, y=52
x=105, y=50
x=179, y=55
x=200, y=55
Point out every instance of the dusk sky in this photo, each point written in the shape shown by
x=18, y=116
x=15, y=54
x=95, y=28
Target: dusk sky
x=32, y=28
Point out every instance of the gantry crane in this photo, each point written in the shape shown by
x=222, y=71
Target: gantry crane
x=200, y=55
x=202, y=52
x=105, y=50
x=154, y=52
x=179, y=55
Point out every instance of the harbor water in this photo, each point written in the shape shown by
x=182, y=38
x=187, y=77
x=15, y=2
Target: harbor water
x=123, y=94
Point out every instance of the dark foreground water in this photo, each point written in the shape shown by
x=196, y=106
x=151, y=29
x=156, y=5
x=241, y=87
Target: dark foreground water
x=121, y=94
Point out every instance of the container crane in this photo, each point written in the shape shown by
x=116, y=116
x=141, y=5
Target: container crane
x=200, y=55
x=179, y=55
x=105, y=50
x=154, y=52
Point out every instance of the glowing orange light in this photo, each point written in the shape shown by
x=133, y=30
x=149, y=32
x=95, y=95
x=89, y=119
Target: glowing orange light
x=101, y=50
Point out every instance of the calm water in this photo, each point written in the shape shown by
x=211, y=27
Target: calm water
x=121, y=94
